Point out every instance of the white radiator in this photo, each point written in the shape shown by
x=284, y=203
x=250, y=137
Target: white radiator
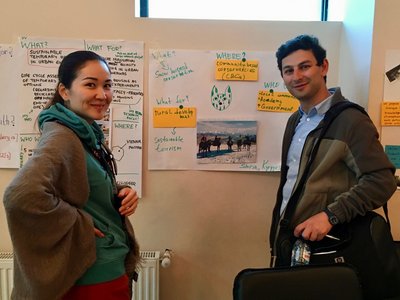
x=147, y=285
x=6, y=275
x=146, y=288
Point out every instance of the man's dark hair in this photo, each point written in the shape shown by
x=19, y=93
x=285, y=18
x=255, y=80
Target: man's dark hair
x=301, y=42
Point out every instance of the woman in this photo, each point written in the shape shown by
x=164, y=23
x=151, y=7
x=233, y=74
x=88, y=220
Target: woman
x=66, y=215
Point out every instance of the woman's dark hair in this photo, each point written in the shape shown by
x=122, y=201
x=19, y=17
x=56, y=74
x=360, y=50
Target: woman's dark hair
x=68, y=71
x=301, y=42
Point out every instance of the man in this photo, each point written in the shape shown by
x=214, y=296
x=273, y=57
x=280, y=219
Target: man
x=350, y=174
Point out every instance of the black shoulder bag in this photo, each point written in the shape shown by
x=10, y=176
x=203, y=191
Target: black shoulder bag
x=365, y=242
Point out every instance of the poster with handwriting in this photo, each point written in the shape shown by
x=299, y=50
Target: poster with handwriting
x=241, y=107
x=126, y=144
x=390, y=108
x=9, y=116
x=38, y=60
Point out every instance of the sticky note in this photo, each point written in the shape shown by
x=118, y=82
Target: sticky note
x=390, y=113
x=174, y=117
x=393, y=152
x=268, y=100
x=233, y=69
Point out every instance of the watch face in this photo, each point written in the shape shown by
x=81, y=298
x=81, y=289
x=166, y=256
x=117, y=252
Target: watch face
x=331, y=217
x=334, y=220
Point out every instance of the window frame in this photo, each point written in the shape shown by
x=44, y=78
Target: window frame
x=144, y=9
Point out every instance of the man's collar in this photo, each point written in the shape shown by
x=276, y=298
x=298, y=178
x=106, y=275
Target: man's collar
x=321, y=108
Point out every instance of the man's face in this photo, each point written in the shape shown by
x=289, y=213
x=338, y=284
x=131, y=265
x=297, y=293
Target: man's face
x=304, y=78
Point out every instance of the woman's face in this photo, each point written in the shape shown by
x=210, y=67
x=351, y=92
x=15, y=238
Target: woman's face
x=90, y=94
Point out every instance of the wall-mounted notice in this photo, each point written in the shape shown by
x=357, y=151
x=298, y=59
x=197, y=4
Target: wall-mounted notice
x=390, y=113
x=236, y=69
x=174, y=116
x=390, y=108
x=393, y=152
x=9, y=116
x=38, y=59
x=232, y=133
x=392, y=76
x=276, y=101
x=127, y=144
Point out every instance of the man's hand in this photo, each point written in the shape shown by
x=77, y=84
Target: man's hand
x=314, y=228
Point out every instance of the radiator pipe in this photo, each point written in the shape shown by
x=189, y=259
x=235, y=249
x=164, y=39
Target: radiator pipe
x=166, y=258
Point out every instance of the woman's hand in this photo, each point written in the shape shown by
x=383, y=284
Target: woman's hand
x=129, y=202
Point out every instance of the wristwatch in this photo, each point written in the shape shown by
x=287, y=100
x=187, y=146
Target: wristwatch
x=331, y=217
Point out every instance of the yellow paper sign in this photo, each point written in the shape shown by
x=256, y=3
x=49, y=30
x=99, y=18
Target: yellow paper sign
x=174, y=117
x=390, y=113
x=232, y=69
x=269, y=100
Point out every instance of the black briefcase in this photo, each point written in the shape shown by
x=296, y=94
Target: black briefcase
x=328, y=282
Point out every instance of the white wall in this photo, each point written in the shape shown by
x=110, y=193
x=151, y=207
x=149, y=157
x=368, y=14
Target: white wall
x=216, y=223
x=355, y=50
x=385, y=37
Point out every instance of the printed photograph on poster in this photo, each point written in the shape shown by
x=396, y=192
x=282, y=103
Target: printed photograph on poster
x=226, y=142
x=393, y=74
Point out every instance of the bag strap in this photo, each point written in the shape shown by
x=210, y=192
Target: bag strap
x=330, y=115
x=386, y=211
x=106, y=159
